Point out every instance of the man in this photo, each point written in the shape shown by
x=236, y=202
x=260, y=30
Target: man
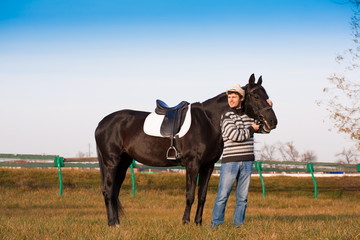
x=238, y=156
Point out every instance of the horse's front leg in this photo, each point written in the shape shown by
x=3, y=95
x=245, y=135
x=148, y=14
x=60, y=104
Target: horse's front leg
x=191, y=175
x=204, y=177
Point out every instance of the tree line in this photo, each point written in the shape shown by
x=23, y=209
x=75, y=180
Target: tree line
x=288, y=152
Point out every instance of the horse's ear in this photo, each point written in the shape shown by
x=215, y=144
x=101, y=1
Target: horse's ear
x=259, y=82
x=252, y=80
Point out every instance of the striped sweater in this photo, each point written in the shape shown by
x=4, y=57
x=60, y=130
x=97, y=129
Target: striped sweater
x=238, y=137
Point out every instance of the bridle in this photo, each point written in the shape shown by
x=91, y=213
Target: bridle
x=257, y=110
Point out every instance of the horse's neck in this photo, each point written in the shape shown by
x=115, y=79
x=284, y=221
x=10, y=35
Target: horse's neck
x=248, y=111
x=214, y=108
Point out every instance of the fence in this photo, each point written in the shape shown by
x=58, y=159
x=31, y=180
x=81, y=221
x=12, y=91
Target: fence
x=16, y=160
x=298, y=167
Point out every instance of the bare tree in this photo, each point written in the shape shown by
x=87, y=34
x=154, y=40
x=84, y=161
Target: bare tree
x=288, y=152
x=343, y=104
x=267, y=152
x=285, y=152
x=308, y=156
x=348, y=156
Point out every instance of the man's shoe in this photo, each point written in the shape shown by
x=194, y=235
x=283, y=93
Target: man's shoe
x=214, y=225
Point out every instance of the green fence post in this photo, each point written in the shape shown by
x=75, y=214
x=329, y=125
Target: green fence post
x=358, y=167
x=133, y=183
x=258, y=167
x=59, y=162
x=310, y=168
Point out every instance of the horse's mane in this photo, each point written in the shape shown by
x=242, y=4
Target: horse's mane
x=216, y=98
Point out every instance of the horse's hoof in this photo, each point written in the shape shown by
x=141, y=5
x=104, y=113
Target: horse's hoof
x=185, y=222
x=115, y=226
x=198, y=224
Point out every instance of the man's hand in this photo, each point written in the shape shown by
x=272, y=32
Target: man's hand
x=255, y=127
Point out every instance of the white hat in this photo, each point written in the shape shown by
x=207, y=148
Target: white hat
x=236, y=88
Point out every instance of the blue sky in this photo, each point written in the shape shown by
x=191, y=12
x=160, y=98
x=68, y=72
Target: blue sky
x=64, y=65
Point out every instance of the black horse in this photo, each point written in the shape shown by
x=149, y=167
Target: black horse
x=120, y=139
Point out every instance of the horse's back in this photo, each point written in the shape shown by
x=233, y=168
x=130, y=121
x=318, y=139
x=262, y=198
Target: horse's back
x=113, y=124
x=121, y=117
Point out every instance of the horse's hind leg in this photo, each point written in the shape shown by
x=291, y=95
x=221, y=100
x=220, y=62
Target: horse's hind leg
x=113, y=172
x=204, y=177
x=191, y=175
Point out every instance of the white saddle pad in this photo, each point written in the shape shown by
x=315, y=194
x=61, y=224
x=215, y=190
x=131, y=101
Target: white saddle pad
x=153, y=122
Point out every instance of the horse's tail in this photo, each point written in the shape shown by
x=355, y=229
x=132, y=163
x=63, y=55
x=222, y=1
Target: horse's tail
x=101, y=164
x=99, y=155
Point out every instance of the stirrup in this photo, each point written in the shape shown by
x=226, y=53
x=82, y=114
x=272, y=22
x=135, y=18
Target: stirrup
x=174, y=156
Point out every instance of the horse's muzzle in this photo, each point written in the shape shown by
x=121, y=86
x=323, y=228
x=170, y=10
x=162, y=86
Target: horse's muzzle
x=269, y=125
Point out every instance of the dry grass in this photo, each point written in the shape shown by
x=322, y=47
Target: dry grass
x=31, y=208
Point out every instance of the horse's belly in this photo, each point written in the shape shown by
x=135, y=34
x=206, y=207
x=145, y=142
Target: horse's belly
x=151, y=151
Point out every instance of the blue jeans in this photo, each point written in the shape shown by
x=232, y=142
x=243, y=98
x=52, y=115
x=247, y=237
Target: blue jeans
x=229, y=173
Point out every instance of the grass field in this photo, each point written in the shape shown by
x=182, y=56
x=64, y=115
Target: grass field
x=30, y=208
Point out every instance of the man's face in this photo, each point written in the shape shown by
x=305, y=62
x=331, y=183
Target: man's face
x=234, y=100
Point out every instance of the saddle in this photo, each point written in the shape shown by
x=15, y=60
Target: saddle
x=170, y=126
